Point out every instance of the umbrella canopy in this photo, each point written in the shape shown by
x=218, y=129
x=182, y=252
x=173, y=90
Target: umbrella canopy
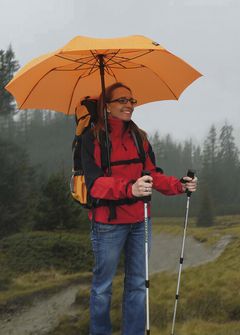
x=60, y=79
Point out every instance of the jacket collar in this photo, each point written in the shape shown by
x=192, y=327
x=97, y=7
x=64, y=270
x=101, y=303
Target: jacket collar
x=117, y=126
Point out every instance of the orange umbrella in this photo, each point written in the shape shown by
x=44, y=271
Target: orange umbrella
x=60, y=79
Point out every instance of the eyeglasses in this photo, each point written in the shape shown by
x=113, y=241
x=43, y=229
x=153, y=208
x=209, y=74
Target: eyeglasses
x=124, y=101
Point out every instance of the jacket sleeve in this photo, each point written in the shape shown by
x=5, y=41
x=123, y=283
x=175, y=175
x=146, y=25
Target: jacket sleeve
x=167, y=185
x=100, y=186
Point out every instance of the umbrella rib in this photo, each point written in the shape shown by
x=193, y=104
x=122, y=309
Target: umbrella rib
x=88, y=74
x=108, y=68
x=72, y=59
x=130, y=59
x=75, y=60
x=90, y=62
x=125, y=67
x=79, y=68
x=115, y=62
x=93, y=66
x=34, y=86
x=94, y=55
x=69, y=106
x=88, y=57
x=110, y=72
x=32, y=89
x=114, y=55
x=69, y=70
x=144, y=66
x=124, y=59
x=73, y=91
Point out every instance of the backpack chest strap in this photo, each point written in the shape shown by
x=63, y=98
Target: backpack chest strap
x=126, y=162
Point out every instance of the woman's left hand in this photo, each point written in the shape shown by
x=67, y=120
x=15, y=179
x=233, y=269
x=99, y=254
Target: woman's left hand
x=190, y=185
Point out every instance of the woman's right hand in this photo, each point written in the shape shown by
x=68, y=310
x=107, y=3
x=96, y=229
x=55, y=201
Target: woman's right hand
x=143, y=186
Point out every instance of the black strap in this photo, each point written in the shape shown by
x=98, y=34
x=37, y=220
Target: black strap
x=76, y=152
x=127, y=161
x=91, y=105
x=120, y=202
x=111, y=204
x=103, y=149
x=139, y=145
x=81, y=118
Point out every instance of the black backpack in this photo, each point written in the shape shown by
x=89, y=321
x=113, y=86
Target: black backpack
x=86, y=117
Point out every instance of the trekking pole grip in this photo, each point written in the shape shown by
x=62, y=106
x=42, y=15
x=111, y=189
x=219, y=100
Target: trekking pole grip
x=147, y=198
x=191, y=174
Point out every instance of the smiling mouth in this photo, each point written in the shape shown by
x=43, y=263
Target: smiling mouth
x=128, y=111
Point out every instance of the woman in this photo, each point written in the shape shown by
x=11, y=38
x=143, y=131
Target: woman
x=120, y=226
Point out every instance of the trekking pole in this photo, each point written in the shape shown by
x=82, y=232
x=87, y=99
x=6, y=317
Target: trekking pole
x=146, y=200
x=190, y=174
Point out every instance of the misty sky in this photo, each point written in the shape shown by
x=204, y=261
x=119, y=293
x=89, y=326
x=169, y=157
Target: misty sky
x=205, y=33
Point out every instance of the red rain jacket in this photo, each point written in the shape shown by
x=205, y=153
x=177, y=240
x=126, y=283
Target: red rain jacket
x=119, y=184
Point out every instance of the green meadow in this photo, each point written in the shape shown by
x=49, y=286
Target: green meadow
x=209, y=304
x=37, y=263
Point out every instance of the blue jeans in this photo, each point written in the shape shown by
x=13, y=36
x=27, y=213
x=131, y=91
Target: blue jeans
x=108, y=241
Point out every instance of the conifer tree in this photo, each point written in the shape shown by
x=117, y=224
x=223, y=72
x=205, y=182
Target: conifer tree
x=17, y=189
x=56, y=209
x=210, y=153
x=205, y=216
x=8, y=66
x=210, y=169
x=229, y=169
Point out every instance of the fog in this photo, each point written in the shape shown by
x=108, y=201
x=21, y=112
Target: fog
x=202, y=32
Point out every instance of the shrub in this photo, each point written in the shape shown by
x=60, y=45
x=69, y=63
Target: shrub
x=36, y=251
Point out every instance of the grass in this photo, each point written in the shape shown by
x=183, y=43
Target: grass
x=224, y=225
x=209, y=295
x=209, y=301
x=41, y=263
x=24, y=287
x=36, y=251
x=199, y=327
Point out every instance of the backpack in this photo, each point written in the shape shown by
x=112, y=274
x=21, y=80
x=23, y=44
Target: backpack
x=86, y=117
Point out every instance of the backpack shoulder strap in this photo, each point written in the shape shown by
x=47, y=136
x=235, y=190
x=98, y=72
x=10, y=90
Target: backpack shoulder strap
x=103, y=149
x=142, y=154
x=139, y=145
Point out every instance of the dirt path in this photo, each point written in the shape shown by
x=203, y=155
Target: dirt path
x=44, y=314
x=166, y=249
x=41, y=316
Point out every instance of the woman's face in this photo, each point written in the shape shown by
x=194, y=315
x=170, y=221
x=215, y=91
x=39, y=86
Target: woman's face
x=121, y=109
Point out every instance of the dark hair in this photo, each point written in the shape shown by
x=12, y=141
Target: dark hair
x=100, y=110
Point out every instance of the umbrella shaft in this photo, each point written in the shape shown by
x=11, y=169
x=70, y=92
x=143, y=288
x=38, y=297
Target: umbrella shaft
x=101, y=67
